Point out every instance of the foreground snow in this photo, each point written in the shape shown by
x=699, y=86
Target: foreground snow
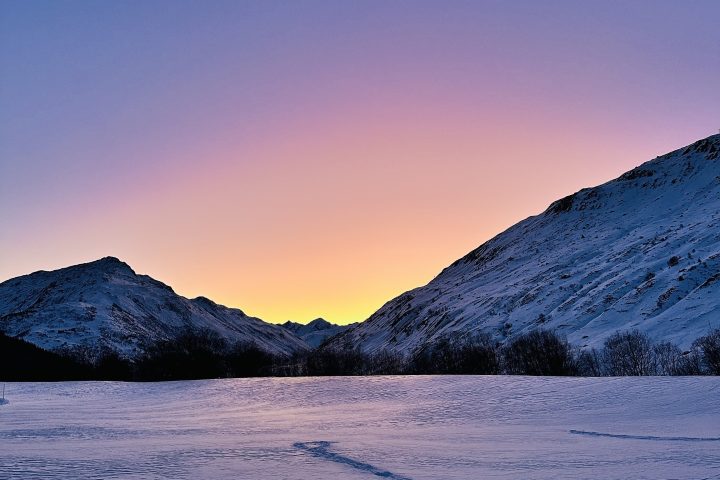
x=365, y=427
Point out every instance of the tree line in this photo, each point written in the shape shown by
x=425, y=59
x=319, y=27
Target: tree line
x=197, y=354
x=537, y=353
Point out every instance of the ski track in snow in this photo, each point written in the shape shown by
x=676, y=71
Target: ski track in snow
x=321, y=450
x=646, y=437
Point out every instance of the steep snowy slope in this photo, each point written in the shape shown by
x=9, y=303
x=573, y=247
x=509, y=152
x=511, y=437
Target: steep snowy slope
x=315, y=332
x=641, y=251
x=105, y=304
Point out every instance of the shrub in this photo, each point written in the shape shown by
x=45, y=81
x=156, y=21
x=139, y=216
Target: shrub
x=478, y=356
x=690, y=363
x=111, y=366
x=539, y=352
x=193, y=354
x=25, y=362
x=458, y=354
x=709, y=347
x=629, y=353
x=589, y=363
x=668, y=359
x=332, y=362
x=387, y=363
x=245, y=359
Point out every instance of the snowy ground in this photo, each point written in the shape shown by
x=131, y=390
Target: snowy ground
x=356, y=428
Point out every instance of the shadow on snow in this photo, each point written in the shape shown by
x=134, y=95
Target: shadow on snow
x=646, y=437
x=322, y=450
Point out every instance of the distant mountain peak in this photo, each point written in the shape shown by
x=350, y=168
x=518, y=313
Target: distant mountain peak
x=314, y=332
x=320, y=324
x=316, y=324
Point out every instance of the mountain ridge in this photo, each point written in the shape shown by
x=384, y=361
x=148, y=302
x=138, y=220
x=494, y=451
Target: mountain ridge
x=639, y=251
x=104, y=305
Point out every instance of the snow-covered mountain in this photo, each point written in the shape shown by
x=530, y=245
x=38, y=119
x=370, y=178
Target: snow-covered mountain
x=106, y=305
x=641, y=251
x=315, y=332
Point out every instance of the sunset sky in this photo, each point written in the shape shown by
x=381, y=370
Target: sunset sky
x=299, y=159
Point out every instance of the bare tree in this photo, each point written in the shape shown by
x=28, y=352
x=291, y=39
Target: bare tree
x=540, y=352
x=629, y=353
x=668, y=358
x=589, y=363
x=709, y=346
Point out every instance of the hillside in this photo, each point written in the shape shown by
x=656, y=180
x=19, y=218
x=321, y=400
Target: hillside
x=104, y=305
x=641, y=251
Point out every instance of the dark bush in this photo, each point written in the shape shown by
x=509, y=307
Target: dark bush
x=690, y=363
x=21, y=361
x=629, y=353
x=464, y=355
x=709, y=347
x=332, y=362
x=478, y=355
x=193, y=354
x=387, y=363
x=589, y=363
x=111, y=366
x=668, y=359
x=249, y=360
x=539, y=352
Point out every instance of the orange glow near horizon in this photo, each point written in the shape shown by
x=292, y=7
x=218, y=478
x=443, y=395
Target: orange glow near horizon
x=346, y=225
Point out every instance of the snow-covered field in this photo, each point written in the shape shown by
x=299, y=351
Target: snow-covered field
x=365, y=427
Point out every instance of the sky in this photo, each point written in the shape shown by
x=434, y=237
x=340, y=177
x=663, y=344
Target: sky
x=303, y=159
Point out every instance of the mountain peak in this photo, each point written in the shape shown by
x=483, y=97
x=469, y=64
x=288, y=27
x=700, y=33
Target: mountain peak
x=314, y=332
x=109, y=264
x=108, y=261
x=320, y=323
